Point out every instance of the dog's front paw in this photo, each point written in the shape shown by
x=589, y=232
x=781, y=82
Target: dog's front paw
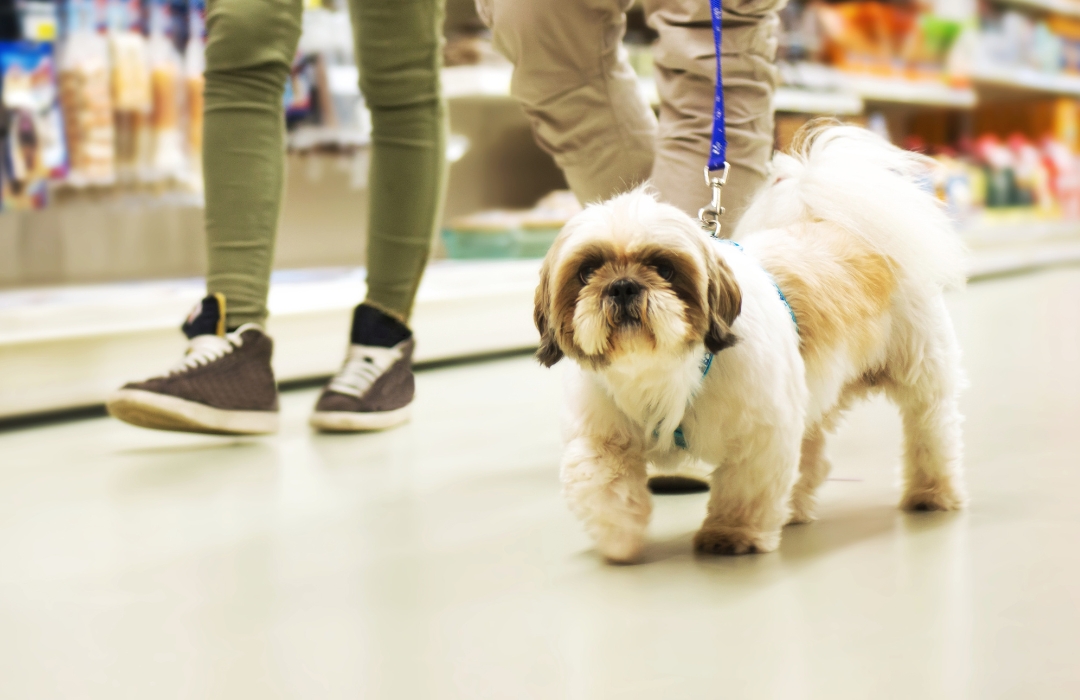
x=941, y=496
x=619, y=545
x=719, y=539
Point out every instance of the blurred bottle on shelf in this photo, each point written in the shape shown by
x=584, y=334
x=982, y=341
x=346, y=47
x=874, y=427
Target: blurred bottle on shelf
x=194, y=83
x=166, y=71
x=132, y=102
x=86, y=99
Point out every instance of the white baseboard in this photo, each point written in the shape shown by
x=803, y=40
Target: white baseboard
x=68, y=347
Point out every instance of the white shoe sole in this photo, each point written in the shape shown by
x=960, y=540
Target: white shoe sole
x=147, y=409
x=357, y=421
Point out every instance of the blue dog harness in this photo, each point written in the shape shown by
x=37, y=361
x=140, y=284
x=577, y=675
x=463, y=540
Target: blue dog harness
x=706, y=362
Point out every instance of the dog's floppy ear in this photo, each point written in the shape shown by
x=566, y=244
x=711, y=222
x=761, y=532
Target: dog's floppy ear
x=725, y=303
x=549, y=351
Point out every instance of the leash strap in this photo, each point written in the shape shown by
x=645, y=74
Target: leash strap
x=716, y=170
x=718, y=150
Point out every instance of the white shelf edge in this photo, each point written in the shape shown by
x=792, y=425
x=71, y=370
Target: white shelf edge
x=1028, y=80
x=1018, y=231
x=476, y=81
x=803, y=101
x=819, y=78
x=461, y=311
x=1060, y=7
x=914, y=92
x=848, y=99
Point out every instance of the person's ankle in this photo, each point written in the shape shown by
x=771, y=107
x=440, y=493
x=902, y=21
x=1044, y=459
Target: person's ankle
x=373, y=326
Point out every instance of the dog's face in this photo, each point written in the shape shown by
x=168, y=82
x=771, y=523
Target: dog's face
x=633, y=275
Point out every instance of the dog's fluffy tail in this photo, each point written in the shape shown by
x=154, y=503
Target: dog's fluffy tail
x=852, y=178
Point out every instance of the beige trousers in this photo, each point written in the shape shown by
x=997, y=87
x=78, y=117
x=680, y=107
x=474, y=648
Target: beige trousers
x=574, y=81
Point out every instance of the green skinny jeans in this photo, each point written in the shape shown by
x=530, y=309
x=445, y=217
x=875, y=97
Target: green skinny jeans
x=249, y=52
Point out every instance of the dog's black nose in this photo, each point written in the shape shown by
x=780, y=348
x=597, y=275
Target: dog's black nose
x=624, y=291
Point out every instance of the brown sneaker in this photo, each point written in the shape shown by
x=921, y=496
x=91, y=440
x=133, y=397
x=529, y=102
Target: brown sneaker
x=223, y=385
x=375, y=386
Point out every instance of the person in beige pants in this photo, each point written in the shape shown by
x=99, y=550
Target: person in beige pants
x=573, y=78
x=581, y=95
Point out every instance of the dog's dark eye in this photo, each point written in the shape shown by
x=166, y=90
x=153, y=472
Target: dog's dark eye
x=585, y=272
x=665, y=270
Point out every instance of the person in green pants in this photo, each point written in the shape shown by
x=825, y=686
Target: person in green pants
x=224, y=383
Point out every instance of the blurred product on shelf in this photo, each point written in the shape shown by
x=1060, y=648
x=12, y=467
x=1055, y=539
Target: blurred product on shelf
x=194, y=82
x=876, y=38
x=325, y=110
x=302, y=93
x=990, y=176
x=38, y=20
x=471, y=50
x=1014, y=39
x=510, y=233
x=130, y=104
x=131, y=93
x=34, y=144
x=86, y=99
x=166, y=71
x=884, y=39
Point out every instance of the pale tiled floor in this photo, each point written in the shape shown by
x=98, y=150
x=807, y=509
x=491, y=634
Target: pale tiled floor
x=439, y=562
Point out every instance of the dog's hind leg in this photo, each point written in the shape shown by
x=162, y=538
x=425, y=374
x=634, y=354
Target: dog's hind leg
x=813, y=469
x=933, y=443
x=606, y=487
x=932, y=451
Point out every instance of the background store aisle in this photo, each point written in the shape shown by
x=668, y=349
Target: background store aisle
x=438, y=561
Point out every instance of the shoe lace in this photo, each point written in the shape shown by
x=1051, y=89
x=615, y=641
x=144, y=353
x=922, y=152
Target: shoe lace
x=363, y=365
x=204, y=349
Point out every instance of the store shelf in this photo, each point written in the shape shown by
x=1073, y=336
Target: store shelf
x=1027, y=80
x=838, y=94
x=926, y=93
x=1059, y=7
x=790, y=99
x=476, y=81
x=1005, y=228
x=815, y=78
x=801, y=101
x=66, y=347
x=1011, y=241
x=310, y=138
x=1011, y=260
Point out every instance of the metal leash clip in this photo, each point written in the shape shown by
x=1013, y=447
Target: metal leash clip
x=710, y=215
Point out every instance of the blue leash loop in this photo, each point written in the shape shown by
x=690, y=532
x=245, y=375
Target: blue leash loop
x=716, y=171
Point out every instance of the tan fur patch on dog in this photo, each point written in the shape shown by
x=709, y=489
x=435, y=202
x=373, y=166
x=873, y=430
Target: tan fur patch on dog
x=835, y=287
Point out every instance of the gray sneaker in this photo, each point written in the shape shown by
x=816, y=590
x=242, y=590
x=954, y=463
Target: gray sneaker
x=374, y=388
x=224, y=384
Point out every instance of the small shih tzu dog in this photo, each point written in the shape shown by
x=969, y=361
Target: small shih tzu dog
x=744, y=355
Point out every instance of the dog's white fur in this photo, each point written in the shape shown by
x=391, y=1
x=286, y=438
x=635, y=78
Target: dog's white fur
x=863, y=254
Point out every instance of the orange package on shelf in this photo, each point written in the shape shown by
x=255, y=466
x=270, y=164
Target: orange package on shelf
x=865, y=36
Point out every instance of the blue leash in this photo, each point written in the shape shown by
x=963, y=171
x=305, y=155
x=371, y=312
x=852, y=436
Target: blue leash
x=718, y=151
x=716, y=170
x=710, y=215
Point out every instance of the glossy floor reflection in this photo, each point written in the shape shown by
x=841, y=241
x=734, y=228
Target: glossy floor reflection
x=438, y=561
